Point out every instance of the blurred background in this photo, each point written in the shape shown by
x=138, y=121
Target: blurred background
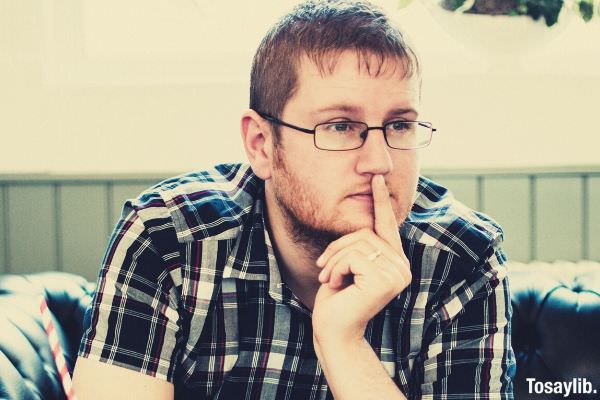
x=100, y=100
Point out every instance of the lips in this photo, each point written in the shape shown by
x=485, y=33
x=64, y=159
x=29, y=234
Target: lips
x=363, y=193
x=363, y=197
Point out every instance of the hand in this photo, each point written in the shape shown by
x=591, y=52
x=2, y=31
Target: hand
x=379, y=268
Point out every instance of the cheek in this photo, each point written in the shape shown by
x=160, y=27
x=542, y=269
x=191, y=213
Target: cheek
x=405, y=177
x=406, y=163
x=306, y=178
x=328, y=171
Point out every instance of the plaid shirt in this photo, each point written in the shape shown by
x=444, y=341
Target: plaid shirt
x=190, y=292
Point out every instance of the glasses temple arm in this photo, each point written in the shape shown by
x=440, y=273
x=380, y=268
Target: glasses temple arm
x=274, y=120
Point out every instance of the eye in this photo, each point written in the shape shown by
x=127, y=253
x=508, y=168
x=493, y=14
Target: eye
x=400, y=126
x=340, y=127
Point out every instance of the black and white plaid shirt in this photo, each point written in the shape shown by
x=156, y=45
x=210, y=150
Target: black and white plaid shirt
x=190, y=292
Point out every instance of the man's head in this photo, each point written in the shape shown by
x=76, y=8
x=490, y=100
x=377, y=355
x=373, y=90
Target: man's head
x=330, y=61
x=321, y=30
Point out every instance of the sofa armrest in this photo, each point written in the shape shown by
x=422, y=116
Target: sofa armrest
x=26, y=361
x=555, y=323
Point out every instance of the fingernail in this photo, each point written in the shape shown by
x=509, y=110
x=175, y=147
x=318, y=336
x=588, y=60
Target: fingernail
x=322, y=276
x=376, y=179
x=320, y=260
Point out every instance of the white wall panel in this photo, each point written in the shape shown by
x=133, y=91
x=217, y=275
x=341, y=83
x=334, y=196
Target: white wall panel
x=558, y=218
x=32, y=226
x=508, y=201
x=82, y=228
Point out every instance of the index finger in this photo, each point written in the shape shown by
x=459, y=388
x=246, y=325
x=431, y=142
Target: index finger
x=385, y=224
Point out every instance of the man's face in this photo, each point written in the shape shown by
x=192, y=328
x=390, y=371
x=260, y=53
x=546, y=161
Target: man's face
x=327, y=193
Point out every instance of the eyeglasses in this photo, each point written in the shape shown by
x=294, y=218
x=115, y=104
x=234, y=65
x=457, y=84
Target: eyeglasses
x=349, y=135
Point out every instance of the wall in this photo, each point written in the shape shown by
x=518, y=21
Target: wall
x=157, y=85
x=147, y=86
x=56, y=222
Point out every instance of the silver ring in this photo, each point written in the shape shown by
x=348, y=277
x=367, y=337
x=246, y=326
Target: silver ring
x=374, y=255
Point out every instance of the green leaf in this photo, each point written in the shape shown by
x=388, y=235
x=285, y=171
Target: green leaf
x=549, y=9
x=586, y=9
x=452, y=5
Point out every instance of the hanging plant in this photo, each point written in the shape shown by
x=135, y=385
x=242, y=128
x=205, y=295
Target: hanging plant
x=536, y=9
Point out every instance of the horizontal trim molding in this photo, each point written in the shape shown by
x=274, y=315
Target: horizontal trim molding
x=130, y=177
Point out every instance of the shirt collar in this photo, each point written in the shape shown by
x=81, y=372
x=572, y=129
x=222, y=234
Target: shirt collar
x=425, y=222
x=253, y=258
x=250, y=255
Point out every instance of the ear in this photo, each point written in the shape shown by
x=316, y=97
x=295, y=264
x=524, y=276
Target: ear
x=256, y=137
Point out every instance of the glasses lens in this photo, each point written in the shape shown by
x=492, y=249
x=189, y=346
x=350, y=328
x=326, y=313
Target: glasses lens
x=340, y=135
x=408, y=134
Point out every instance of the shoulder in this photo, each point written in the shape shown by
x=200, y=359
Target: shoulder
x=438, y=219
x=459, y=253
x=206, y=204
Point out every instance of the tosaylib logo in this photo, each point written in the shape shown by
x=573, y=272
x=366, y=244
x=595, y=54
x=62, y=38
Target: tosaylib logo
x=575, y=386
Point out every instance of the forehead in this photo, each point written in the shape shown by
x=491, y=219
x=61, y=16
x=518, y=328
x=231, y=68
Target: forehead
x=350, y=77
x=364, y=62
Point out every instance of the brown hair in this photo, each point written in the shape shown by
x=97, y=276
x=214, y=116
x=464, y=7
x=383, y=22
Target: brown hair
x=322, y=30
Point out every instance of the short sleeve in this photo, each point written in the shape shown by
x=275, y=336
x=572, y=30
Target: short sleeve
x=467, y=351
x=133, y=320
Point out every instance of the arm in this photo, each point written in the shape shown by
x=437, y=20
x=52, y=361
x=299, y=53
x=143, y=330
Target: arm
x=380, y=270
x=97, y=380
x=128, y=346
x=353, y=371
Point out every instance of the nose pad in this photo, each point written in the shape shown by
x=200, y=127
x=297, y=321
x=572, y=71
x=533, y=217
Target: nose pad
x=375, y=158
x=365, y=133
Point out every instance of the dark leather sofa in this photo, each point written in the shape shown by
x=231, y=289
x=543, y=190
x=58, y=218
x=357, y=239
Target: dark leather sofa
x=556, y=328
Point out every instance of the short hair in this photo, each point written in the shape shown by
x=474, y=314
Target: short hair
x=322, y=30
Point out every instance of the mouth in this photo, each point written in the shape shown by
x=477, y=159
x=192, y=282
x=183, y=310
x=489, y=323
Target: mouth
x=363, y=197
x=364, y=192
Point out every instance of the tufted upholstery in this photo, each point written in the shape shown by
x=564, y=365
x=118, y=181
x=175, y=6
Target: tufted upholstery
x=556, y=327
x=26, y=362
x=556, y=324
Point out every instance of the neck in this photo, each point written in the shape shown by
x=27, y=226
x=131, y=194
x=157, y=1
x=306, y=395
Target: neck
x=296, y=257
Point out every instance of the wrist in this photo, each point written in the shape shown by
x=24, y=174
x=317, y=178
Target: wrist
x=326, y=333
x=336, y=343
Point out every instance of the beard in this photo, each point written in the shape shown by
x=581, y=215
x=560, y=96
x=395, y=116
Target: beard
x=302, y=213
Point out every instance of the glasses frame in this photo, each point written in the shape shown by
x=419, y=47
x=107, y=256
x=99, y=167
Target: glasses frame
x=382, y=128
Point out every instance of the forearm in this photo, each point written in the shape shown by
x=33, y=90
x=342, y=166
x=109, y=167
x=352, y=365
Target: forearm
x=353, y=371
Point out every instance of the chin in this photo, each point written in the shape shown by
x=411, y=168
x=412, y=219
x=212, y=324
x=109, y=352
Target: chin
x=354, y=222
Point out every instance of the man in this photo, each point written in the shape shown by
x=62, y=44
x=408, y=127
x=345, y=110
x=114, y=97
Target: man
x=325, y=268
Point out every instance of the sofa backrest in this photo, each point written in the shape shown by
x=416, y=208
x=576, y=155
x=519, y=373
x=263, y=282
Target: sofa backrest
x=26, y=362
x=555, y=327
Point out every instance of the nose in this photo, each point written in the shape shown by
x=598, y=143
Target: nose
x=374, y=155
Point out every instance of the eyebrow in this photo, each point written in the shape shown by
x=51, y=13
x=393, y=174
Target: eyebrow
x=354, y=109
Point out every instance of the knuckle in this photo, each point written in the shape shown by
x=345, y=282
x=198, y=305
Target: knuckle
x=365, y=231
x=401, y=284
x=354, y=254
x=393, y=291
